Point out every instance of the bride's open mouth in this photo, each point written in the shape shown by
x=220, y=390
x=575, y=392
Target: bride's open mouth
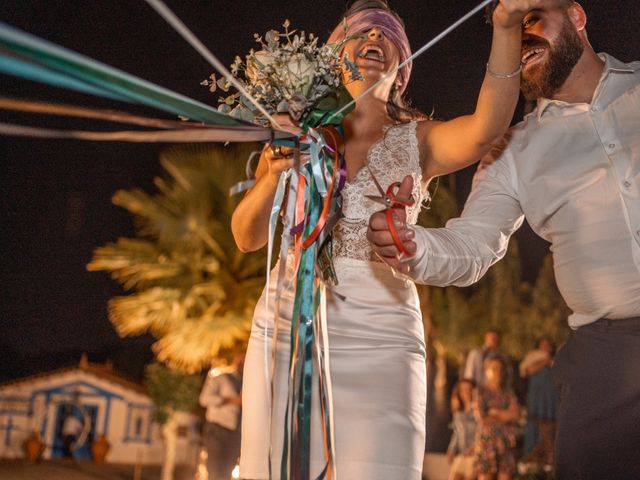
x=373, y=52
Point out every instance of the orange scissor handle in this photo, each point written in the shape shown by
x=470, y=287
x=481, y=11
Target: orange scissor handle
x=395, y=202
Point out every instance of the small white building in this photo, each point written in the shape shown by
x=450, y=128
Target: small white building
x=105, y=402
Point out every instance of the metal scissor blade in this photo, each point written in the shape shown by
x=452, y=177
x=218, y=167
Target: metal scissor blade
x=378, y=199
x=375, y=180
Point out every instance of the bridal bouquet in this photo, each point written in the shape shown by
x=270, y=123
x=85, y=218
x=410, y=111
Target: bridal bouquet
x=290, y=73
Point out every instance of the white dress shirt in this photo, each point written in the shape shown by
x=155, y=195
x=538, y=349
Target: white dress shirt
x=217, y=389
x=573, y=170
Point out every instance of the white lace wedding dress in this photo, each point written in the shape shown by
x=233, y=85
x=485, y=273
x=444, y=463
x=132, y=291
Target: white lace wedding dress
x=376, y=342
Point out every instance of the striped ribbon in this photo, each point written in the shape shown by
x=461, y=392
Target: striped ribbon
x=24, y=55
x=313, y=204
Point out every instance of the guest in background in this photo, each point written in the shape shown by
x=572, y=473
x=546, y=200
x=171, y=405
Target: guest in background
x=71, y=429
x=221, y=396
x=474, y=366
x=460, y=451
x=496, y=409
x=542, y=399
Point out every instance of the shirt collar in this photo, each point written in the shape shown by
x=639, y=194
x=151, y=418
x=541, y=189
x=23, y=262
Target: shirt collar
x=611, y=64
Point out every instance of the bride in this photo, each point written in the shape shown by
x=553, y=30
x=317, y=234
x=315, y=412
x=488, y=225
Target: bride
x=376, y=337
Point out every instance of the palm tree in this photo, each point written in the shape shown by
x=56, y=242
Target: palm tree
x=188, y=284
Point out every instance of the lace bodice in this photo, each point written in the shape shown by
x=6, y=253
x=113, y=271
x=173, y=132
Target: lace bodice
x=391, y=159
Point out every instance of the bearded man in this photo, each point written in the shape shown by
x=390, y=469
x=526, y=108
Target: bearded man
x=572, y=168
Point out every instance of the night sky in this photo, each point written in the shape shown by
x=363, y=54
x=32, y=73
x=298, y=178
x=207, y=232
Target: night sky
x=56, y=195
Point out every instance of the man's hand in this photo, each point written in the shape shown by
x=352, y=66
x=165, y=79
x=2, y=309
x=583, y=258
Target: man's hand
x=380, y=237
x=509, y=13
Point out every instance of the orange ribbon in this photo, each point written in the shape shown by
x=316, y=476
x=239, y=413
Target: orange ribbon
x=395, y=202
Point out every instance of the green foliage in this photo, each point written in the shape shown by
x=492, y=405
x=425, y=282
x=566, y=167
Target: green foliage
x=500, y=300
x=171, y=390
x=545, y=311
x=189, y=284
x=442, y=205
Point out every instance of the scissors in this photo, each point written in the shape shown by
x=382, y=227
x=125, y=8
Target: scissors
x=390, y=201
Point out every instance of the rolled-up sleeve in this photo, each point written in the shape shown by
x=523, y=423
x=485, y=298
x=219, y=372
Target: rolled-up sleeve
x=210, y=396
x=462, y=252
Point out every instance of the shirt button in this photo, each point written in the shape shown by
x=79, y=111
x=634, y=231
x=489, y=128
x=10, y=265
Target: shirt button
x=612, y=146
x=627, y=184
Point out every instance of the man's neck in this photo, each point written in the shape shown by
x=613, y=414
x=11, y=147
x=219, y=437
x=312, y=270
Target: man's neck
x=581, y=84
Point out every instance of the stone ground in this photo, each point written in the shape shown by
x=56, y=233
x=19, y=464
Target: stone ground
x=436, y=468
x=72, y=470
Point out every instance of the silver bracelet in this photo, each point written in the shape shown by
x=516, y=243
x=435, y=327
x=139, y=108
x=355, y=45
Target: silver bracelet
x=515, y=73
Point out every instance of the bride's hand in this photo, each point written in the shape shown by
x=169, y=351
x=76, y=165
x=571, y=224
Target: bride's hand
x=287, y=123
x=280, y=158
x=509, y=13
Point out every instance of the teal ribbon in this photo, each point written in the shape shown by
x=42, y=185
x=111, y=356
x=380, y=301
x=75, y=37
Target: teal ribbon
x=296, y=454
x=26, y=56
x=302, y=339
x=324, y=110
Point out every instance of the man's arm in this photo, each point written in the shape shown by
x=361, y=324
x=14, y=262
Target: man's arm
x=470, y=365
x=210, y=393
x=461, y=253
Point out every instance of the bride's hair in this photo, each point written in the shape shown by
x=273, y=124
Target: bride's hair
x=360, y=5
x=398, y=107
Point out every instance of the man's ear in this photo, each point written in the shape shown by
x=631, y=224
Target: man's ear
x=578, y=16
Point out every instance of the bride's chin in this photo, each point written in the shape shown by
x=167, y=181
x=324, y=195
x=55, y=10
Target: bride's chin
x=372, y=75
x=370, y=79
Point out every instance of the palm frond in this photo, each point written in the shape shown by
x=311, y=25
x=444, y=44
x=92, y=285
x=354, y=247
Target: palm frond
x=154, y=310
x=193, y=345
x=194, y=290
x=135, y=263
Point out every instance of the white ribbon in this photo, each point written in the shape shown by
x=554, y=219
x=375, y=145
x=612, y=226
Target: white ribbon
x=188, y=35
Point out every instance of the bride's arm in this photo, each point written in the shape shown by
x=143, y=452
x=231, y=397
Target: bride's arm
x=455, y=144
x=250, y=220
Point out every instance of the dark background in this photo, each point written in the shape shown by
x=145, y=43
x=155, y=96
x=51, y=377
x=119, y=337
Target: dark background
x=55, y=195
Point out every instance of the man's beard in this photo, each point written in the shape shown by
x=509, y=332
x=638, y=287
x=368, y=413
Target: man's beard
x=546, y=79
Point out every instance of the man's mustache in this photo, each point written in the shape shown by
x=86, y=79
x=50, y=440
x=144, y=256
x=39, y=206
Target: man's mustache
x=533, y=41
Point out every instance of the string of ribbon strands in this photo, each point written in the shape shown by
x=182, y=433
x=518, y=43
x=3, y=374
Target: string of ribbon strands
x=311, y=193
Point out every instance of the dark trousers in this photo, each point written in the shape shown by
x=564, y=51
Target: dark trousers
x=223, y=450
x=67, y=443
x=598, y=375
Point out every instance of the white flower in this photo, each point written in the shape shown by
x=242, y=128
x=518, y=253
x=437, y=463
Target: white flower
x=301, y=71
x=257, y=62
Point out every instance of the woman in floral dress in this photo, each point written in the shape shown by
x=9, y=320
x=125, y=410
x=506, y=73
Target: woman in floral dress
x=496, y=408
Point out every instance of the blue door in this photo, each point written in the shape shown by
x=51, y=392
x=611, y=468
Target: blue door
x=84, y=414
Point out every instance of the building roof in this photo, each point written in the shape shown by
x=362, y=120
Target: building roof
x=103, y=371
